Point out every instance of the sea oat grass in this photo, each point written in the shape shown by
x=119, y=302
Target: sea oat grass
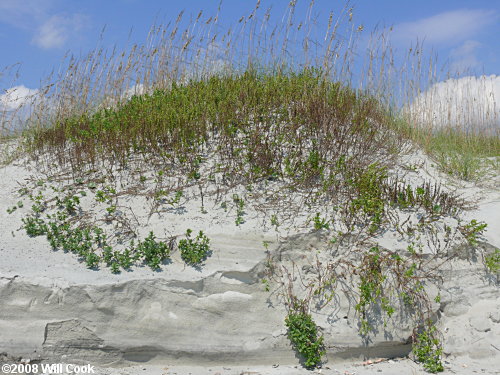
x=468, y=155
x=260, y=125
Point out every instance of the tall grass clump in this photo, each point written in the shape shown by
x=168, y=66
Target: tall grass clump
x=191, y=82
x=464, y=155
x=264, y=105
x=257, y=124
x=457, y=123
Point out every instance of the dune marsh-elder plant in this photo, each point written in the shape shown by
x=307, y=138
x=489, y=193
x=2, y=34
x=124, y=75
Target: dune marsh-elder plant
x=492, y=261
x=255, y=104
x=98, y=123
x=66, y=229
x=428, y=350
x=194, y=250
x=304, y=335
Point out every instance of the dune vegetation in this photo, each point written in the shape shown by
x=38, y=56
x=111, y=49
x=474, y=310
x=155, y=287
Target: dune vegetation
x=252, y=117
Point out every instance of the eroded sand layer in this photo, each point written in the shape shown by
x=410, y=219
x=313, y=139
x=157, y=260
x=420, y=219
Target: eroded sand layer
x=53, y=308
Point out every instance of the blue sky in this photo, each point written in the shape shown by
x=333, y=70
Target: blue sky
x=38, y=33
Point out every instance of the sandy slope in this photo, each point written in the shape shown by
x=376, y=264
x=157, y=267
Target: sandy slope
x=219, y=319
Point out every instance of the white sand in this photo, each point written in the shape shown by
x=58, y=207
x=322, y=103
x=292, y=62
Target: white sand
x=219, y=319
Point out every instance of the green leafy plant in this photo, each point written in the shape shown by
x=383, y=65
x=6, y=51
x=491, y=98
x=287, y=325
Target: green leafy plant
x=92, y=260
x=70, y=203
x=38, y=204
x=492, y=261
x=267, y=287
x=370, y=287
x=304, y=335
x=195, y=175
x=34, y=226
x=151, y=251
x=427, y=349
x=176, y=198
x=12, y=209
x=240, y=209
x=371, y=198
x=274, y=221
x=314, y=162
x=90, y=242
x=105, y=194
x=194, y=250
x=473, y=230
x=320, y=223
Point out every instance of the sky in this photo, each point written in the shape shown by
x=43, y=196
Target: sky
x=35, y=35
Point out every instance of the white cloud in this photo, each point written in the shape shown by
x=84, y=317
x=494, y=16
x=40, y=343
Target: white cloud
x=137, y=89
x=22, y=13
x=51, y=29
x=464, y=57
x=26, y=14
x=470, y=103
x=17, y=97
x=448, y=27
x=16, y=105
x=51, y=34
x=56, y=30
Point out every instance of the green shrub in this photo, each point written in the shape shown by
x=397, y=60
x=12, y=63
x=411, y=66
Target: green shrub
x=194, y=251
x=34, y=226
x=90, y=242
x=492, y=261
x=240, y=209
x=428, y=350
x=472, y=230
x=303, y=333
x=320, y=223
x=151, y=251
x=370, y=287
x=369, y=185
